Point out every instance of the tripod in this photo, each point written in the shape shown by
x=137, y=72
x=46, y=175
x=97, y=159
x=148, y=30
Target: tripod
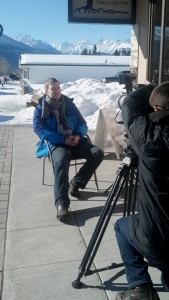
x=126, y=181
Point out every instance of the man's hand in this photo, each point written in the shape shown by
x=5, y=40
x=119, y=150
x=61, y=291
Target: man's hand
x=72, y=140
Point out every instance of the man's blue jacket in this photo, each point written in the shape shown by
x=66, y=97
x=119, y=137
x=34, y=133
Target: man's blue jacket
x=47, y=128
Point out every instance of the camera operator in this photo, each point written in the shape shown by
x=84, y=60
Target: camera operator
x=145, y=235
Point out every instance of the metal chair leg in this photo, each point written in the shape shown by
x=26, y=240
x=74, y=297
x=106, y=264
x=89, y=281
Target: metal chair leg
x=43, y=171
x=96, y=181
x=53, y=168
x=75, y=166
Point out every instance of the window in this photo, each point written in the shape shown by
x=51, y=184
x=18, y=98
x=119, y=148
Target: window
x=159, y=41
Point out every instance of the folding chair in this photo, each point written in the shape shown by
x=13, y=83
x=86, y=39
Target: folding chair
x=76, y=163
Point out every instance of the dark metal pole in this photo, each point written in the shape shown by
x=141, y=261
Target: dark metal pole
x=1, y=30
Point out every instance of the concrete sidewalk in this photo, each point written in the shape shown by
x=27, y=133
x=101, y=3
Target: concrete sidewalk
x=42, y=255
x=6, y=149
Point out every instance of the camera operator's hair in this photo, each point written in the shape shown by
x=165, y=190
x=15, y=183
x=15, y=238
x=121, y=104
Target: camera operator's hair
x=50, y=81
x=160, y=96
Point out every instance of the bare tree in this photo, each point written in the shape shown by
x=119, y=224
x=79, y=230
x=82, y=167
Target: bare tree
x=87, y=7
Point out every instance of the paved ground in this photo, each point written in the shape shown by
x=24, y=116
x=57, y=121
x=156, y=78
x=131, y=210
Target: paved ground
x=42, y=255
x=6, y=149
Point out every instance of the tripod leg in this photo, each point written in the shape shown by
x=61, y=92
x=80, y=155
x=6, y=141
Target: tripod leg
x=130, y=192
x=108, y=188
x=101, y=225
x=135, y=193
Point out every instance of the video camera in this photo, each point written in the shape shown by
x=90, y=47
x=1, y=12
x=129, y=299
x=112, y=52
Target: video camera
x=126, y=78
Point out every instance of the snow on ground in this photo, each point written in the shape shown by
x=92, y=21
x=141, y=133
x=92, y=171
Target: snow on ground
x=89, y=96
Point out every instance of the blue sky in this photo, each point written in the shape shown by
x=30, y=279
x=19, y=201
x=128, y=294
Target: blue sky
x=48, y=20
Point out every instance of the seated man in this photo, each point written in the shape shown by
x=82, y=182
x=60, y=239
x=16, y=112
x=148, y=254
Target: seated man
x=57, y=120
x=146, y=234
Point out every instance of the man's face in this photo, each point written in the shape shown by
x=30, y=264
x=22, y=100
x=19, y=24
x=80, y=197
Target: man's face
x=54, y=91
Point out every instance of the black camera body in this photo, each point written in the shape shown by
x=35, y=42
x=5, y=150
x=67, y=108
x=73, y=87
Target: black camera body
x=127, y=78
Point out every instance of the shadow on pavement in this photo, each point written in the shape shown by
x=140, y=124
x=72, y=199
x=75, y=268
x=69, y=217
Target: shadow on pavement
x=4, y=93
x=82, y=215
x=6, y=118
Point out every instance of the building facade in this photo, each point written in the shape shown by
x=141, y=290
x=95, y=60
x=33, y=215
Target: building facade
x=150, y=41
x=38, y=67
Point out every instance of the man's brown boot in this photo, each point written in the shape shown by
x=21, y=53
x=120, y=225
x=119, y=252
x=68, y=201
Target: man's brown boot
x=74, y=190
x=62, y=212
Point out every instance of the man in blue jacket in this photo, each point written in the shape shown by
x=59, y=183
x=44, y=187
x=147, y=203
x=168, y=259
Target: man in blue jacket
x=145, y=115
x=57, y=120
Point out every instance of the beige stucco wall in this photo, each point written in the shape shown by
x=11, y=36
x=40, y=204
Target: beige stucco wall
x=139, y=41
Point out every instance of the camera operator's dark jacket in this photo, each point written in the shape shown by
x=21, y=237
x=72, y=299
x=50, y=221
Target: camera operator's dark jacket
x=148, y=132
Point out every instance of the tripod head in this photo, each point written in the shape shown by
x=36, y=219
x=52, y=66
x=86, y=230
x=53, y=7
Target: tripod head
x=130, y=153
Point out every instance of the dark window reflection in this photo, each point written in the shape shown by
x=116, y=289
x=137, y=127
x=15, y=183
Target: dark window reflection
x=156, y=44
x=165, y=68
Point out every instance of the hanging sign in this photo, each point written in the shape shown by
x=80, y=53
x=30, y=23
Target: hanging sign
x=102, y=11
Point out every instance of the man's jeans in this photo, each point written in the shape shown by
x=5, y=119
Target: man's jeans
x=135, y=266
x=62, y=155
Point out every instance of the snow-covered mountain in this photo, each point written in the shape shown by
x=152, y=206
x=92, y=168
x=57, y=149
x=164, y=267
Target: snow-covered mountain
x=76, y=48
x=35, y=44
x=12, y=48
x=104, y=45
x=107, y=46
